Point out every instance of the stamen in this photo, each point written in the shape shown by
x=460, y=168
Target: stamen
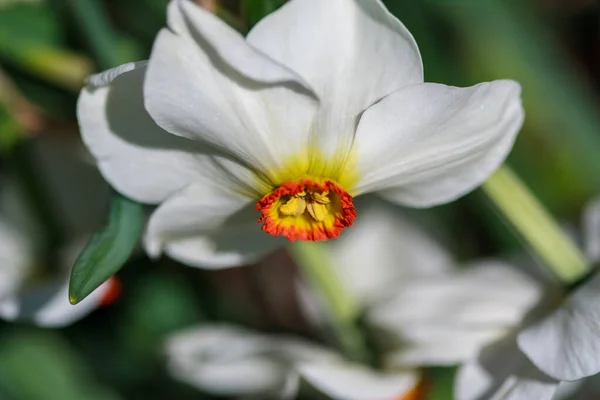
x=295, y=206
x=322, y=198
x=318, y=211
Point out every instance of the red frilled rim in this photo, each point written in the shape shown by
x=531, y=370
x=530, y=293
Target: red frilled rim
x=341, y=212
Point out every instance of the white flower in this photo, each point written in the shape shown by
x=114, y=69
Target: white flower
x=77, y=197
x=231, y=361
x=423, y=308
x=559, y=347
x=323, y=101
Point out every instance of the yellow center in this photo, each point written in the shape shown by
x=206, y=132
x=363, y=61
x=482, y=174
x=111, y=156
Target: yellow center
x=306, y=210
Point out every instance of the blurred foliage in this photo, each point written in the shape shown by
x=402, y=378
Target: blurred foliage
x=48, y=47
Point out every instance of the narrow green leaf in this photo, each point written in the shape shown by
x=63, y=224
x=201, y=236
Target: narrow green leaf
x=108, y=249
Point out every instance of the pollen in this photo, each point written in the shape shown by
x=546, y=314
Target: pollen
x=306, y=210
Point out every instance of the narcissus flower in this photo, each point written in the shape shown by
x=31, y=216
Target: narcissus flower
x=558, y=345
x=421, y=308
x=321, y=102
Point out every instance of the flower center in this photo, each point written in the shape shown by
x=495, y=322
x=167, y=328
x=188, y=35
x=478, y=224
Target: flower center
x=306, y=210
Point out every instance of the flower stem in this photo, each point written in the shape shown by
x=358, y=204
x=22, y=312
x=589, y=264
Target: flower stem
x=342, y=309
x=536, y=225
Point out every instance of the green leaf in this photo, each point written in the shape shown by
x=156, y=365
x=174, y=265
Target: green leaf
x=255, y=10
x=31, y=23
x=441, y=383
x=108, y=249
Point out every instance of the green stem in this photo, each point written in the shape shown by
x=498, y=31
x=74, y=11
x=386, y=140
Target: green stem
x=342, y=309
x=534, y=223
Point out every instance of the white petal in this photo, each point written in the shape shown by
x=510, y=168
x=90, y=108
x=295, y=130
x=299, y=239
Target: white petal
x=192, y=90
x=435, y=345
x=231, y=245
x=445, y=319
x=225, y=361
x=591, y=230
x=429, y=144
x=223, y=217
x=230, y=361
x=343, y=381
x=187, y=19
x=16, y=258
x=566, y=343
x=501, y=371
x=105, y=78
x=20, y=240
x=526, y=389
x=48, y=305
x=382, y=249
x=136, y=156
x=489, y=294
x=352, y=53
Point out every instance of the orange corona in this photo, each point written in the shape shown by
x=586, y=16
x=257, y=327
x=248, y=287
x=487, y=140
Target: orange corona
x=306, y=209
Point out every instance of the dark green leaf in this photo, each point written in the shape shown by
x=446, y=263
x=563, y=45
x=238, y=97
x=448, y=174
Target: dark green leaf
x=255, y=10
x=108, y=249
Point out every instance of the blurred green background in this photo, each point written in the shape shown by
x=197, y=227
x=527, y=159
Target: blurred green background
x=47, y=47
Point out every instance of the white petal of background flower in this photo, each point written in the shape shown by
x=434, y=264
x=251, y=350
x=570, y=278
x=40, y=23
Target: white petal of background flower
x=48, y=305
x=502, y=372
x=191, y=91
x=448, y=318
x=591, y=230
x=435, y=345
x=223, y=361
x=566, y=343
x=343, y=381
x=381, y=250
x=486, y=294
x=351, y=52
x=429, y=144
x=523, y=389
x=230, y=361
x=136, y=156
x=16, y=258
x=20, y=239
